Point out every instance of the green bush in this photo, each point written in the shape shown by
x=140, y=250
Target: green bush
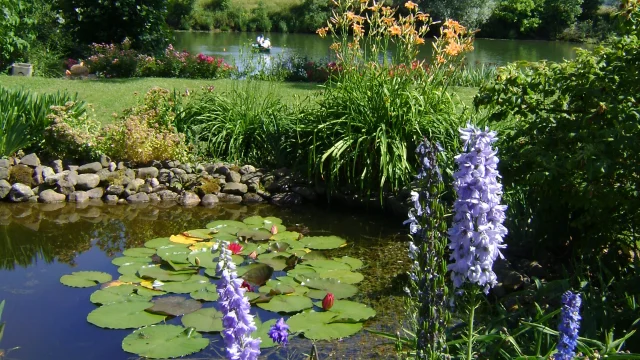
x=71, y=135
x=23, y=117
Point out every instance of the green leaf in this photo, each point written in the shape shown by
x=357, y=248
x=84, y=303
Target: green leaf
x=259, y=221
x=256, y=235
x=116, y=294
x=194, y=283
x=159, y=242
x=126, y=260
x=209, y=293
x=286, y=235
x=323, y=265
x=318, y=326
x=258, y=275
x=174, y=306
x=199, y=233
x=277, y=263
x=139, y=252
x=164, y=341
x=131, y=268
x=354, y=263
x=176, y=253
x=205, y=320
x=262, y=332
x=248, y=248
x=157, y=273
x=344, y=276
x=124, y=315
x=338, y=289
x=83, y=279
x=206, y=259
x=322, y=242
x=287, y=303
x=349, y=311
x=132, y=278
x=226, y=226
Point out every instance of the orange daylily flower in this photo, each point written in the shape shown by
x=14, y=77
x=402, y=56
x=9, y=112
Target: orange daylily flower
x=395, y=30
x=410, y=5
x=322, y=31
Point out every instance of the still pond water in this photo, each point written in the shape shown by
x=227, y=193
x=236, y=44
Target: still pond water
x=233, y=45
x=40, y=243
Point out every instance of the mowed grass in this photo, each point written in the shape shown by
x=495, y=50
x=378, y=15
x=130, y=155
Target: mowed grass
x=109, y=96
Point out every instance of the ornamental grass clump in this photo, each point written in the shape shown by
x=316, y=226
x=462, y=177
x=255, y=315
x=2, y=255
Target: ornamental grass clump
x=428, y=290
x=237, y=321
x=569, y=326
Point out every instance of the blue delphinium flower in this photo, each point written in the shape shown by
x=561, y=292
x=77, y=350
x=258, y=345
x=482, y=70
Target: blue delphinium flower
x=569, y=326
x=476, y=235
x=279, y=332
x=237, y=321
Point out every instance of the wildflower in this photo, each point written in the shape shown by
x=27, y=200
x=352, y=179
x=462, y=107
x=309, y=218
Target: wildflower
x=278, y=332
x=237, y=321
x=477, y=232
x=327, y=302
x=410, y=5
x=569, y=326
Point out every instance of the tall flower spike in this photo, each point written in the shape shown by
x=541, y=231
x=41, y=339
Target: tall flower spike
x=237, y=321
x=569, y=326
x=476, y=235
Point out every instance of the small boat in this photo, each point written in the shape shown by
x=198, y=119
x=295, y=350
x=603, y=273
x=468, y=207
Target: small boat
x=259, y=47
x=262, y=44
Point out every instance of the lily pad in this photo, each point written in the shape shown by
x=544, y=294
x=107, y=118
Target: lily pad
x=131, y=268
x=226, y=226
x=338, y=289
x=354, y=263
x=131, y=278
x=260, y=221
x=174, y=306
x=248, y=248
x=156, y=272
x=323, y=242
x=183, y=239
x=115, y=294
x=204, y=320
x=286, y=235
x=194, y=283
x=139, y=252
x=156, y=243
x=203, y=259
x=83, y=279
x=258, y=275
x=241, y=270
x=199, y=233
x=349, y=311
x=174, y=253
x=323, y=265
x=124, y=315
x=208, y=293
x=287, y=303
x=222, y=236
x=262, y=332
x=318, y=326
x=164, y=341
x=276, y=263
x=256, y=235
x=344, y=276
x=314, y=255
x=125, y=260
x=203, y=246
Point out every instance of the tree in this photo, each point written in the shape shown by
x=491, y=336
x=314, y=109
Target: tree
x=557, y=15
x=471, y=13
x=178, y=13
x=106, y=21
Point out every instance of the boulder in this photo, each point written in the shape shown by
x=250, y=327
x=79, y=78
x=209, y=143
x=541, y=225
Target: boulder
x=104, y=160
x=111, y=199
x=186, y=167
x=30, y=160
x=90, y=168
x=154, y=197
x=4, y=173
x=188, y=198
x=146, y=188
x=57, y=167
x=47, y=172
x=115, y=190
x=165, y=176
x=167, y=195
x=5, y=188
x=5, y=163
x=138, y=198
x=209, y=200
x=147, y=172
x=229, y=198
x=286, y=199
x=247, y=169
x=78, y=196
x=49, y=196
x=112, y=166
x=64, y=186
x=73, y=168
x=233, y=177
x=253, y=177
x=153, y=182
x=20, y=193
x=87, y=181
x=95, y=193
x=251, y=198
x=235, y=188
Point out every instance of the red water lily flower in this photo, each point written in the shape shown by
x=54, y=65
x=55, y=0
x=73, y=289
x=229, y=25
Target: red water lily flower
x=327, y=302
x=235, y=248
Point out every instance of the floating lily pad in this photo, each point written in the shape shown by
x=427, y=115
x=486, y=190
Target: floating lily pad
x=194, y=283
x=258, y=275
x=183, y=239
x=124, y=315
x=203, y=259
x=349, y=311
x=139, y=252
x=241, y=270
x=276, y=263
x=249, y=247
x=156, y=243
x=222, y=236
x=204, y=320
x=208, y=293
x=204, y=246
x=354, y=263
x=83, y=279
x=125, y=260
x=323, y=265
x=338, y=289
x=212, y=273
x=318, y=326
x=262, y=332
x=164, y=341
x=115, y=294
x=175, y=253
x=199, y=233
x=156, y=272
x=276, y=246
x=255, y=235
x=131, y=268
x=277, y=288
x=174, y=306
x=301, y=270
x=314, y=255
x=131, y=278
x=226, y=226
x=287, y=303
x=344, y=276
x=286, y=235
x=180, y=266
x=323, y=242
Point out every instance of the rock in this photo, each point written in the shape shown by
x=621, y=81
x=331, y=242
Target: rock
x=210, y=168
x=4, y=163
x=147, y=172
x=104, y=160
x=159, y=188
x=154, y=197
x=106, y=175
x=4, y=173
x=188, y=179
x=200, y=168
x=233, y=177
x=186, y=168
x=234, y=188
x=47, y=172
x=178, y=171
x=33, y=199
x=229, y=198
x=145, y=188
x=247, y=169
x=78, y=196
x=305, y=192
x=115, y=190
x=188, y=198
x=111, y=199
x=253, y=177
x=90, y=168
x=153, y=182
x=95, y=193
x=171, y=164
x=37, y=175
x=222, y=170
x=5, y=188
x=167, y=195
x=156, y=164
x=72, y=176
x=87, y=181
x=20, y=193
x=128, y=191
x=64, y=186
x=209, y=200
x=112, y=166
x=165, y=176
x=21, y=174
x=49, y=196
x=73, y=168
x=30, y=160
x=251, y=198
x=138, y=198
x=57, y=167
x=121, y=166
x=122, y=202
x=288, y=198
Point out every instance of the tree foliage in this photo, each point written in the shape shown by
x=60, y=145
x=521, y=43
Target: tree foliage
x=472, y=13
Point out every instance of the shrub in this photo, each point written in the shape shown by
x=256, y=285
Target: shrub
x=111, y=60
x=144, y=133
x=71, y=136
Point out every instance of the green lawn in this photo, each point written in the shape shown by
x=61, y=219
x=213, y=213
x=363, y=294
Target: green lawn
x=110, y=96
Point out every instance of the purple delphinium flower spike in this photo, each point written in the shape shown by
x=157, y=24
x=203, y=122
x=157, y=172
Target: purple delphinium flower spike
x=279, y=332
x=569, y=326
x=476, y=235
x=237, y=321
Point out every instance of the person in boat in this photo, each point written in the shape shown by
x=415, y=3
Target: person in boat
x=266, y=43
x=260, y=39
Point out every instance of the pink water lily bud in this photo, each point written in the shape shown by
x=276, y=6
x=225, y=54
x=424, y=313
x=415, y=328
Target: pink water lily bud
x=274, y=229
x=327, y=302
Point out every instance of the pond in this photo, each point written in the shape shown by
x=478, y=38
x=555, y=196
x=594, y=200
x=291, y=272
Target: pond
x=47, y=320
x=232, y=46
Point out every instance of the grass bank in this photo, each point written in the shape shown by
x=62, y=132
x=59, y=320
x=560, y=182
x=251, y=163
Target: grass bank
x=110, y=96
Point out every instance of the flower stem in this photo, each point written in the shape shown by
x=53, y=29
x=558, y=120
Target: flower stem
x=471, y=335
